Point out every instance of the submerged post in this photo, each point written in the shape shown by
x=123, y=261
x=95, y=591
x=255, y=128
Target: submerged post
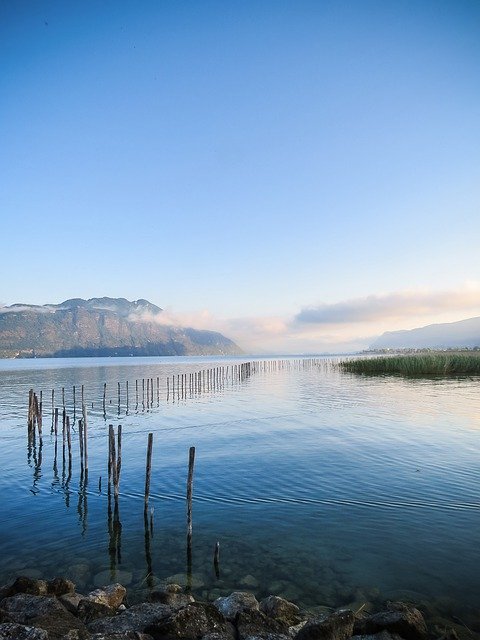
x=85, y=437
x=191, y=462
x=148, y=470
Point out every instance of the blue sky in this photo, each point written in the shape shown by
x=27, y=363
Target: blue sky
x=243, y=164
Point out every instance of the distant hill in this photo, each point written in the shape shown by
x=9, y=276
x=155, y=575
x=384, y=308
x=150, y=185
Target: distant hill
x=465, y=333
x=101, y=327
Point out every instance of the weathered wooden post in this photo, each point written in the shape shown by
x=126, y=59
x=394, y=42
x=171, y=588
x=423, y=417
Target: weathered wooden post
x=191, y=462
x=148, y=470
x=85, y=438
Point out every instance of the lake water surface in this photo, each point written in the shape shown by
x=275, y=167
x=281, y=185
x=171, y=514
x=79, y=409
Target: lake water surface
x=324, y=487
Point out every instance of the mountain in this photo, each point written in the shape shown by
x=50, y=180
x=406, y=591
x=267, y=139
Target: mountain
x=465, y=333
x=101, y=327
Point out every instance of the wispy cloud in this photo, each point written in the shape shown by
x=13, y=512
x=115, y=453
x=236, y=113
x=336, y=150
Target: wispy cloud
x=393, y=306
x=347, y=325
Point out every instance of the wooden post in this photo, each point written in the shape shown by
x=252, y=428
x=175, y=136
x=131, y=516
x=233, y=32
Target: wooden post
x=148, y=470
x=80, y=441
x=191, y=462
x=119, y=450
x=85, y=437
x=104, y=395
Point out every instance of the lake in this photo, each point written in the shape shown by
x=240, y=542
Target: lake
x=324, y=487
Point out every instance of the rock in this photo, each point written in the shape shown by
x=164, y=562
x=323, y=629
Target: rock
x=12, y=631
x=60, y=586
x=33, y=586
x=383, y=635
x=125, y=635
x=237, y=601
x=45, y=612
x=276, y=607
x=336, y=626
x=23, y=607
x=105, y=577
x=400, y=618
x=192, y=622
x=171, y=594
x=111, y=596
x=88, y=610
x=136, y=618
x=71, y=601
x=255, y=624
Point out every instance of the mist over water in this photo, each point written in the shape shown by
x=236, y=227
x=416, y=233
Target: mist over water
x=324, y=487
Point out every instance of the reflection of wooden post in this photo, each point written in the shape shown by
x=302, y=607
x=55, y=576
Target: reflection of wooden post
x=216, y=560
x=148, y=470
x=191, y=462
x=113, y=460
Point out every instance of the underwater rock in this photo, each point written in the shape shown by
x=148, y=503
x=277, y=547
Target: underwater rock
x=249, y=581
x=105, y=577
x=194, y=581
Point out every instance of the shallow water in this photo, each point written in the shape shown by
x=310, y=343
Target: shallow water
x=325, y=487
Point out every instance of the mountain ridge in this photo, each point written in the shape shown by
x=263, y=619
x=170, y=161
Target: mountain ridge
x=101, y=327
x=462, y=333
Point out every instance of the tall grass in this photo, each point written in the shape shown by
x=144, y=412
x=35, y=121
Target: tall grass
x=444, y=364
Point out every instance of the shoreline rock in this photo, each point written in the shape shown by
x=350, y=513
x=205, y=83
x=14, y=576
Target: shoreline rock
x=33, y=609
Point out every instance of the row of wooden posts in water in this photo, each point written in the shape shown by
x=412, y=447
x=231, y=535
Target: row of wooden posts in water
x=145, y=392
x=179, y=386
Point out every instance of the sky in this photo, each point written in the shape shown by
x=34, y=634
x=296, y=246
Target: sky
x=301, y=175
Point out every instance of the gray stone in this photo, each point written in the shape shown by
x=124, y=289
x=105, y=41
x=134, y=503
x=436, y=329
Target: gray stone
x=383, y=635
x=12, y=631
x=111, y=595
x=125, y=635
x=336, y=626
x=71, y=601
x=191, y=623
x=237, y=601
x=45, y=612
x=255, y=624
x=33, y=586
x=400, y=618
x=60, y=586
x=276, y=607
x=136, y=618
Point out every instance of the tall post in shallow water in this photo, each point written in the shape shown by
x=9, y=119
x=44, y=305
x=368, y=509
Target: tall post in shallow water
x=148, y=470
x=191, y=463
x=85, y=438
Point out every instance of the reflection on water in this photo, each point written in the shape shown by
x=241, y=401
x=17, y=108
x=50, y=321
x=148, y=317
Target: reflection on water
x=327, y=488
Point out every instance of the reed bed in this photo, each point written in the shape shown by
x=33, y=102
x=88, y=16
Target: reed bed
x=425, y=364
